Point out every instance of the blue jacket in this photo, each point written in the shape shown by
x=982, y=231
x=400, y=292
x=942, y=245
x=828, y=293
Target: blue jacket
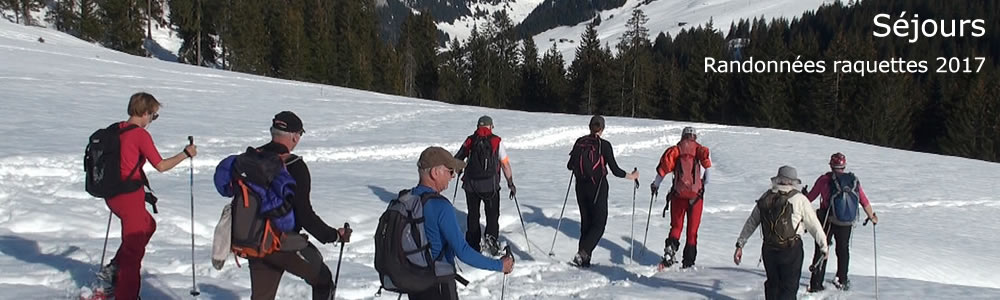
x=442, y=231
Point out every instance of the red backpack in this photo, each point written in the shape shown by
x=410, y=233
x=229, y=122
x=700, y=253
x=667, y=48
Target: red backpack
x=687, y=171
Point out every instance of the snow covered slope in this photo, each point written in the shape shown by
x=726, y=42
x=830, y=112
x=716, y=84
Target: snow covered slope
x=667, y=15
x=936, y=241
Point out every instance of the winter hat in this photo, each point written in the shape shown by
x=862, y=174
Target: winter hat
x=485, y=121
x=596, y=123
x=689, y=130
x=838, y=161
x=437, y=156
x=288, y=122
x=787, y=173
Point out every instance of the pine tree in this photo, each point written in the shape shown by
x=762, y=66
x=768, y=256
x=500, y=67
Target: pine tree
x=555, y=86
x=291, y=43
x=531, y=86
x=635, y=58
x=23, y=9
x=65, y=17
x=122, y=20
x=582, y=71
x=91, y=28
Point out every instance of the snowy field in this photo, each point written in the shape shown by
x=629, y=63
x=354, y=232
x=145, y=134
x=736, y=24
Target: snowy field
x=937, y=238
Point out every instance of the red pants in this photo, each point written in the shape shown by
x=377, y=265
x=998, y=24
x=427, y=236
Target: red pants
x=137, y=227
x=678, y=208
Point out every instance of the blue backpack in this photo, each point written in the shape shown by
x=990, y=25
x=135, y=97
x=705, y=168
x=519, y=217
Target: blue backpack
x=844, y=198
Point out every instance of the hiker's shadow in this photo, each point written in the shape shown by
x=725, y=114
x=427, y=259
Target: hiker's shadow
x=82, y=273
x=571, y=228
x=618, y=273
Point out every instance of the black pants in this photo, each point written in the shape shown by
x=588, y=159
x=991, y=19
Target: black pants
x=266, y=272
x=443, y=291
x=492, y=200
x=593, y=202
x=842, y=233
x=783, y=267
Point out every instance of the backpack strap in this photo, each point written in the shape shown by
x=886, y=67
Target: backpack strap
x=292, y=158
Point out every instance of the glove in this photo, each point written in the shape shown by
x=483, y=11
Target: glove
x=805, y=189
x=513, y=189
x=151, y=199
x=654, y=188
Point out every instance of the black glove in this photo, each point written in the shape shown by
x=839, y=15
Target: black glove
x=805, y=189
x=513, y=189
x=654, y=189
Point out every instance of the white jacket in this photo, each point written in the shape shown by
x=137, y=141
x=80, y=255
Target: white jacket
x=803, y=216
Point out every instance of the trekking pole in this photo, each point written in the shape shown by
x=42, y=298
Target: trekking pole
x=556, y=234
x=631, y=237
x=457, y=179
x=336, y=277
x=194, y=283
x=648, y=215
x=527, y=242
x=875, y=249
x=106, y=234
x=503, y=287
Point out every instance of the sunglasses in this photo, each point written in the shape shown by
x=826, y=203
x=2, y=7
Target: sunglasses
x=155, y=116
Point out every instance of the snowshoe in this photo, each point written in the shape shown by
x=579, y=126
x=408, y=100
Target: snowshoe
x=581, y=260
x=816, y=289
x=843, y=285
x=666, y=263
x=492, y=247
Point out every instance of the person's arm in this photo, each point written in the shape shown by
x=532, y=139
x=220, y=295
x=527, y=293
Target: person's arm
x=749, y=227
x=609, y=156
x=454, y=238
x=305, y=216
x=811, y=222
x=867, y=205
x=572, y=157
x=148, y=150
x=508, y=173
x=818, y=187
x=463, y=152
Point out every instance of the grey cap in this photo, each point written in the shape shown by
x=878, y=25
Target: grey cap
x=689, y=130
x=787, y=173
x=485, y=121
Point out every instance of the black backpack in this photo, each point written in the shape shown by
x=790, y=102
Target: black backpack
x=102, y=164
x=587, y=159
x=484, y=162
x=776, y=219
x=403, y=253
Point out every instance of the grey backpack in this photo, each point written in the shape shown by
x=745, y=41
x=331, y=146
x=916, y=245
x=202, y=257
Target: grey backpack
x=402, y=252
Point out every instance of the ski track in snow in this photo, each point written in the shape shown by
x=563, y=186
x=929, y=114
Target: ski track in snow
x=361, y=148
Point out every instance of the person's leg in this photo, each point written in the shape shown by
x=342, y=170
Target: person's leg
x=137, y=228
x=472, y=232
x=678, y=208
x=598, y=221
x=693, y=222
x=772, y=283
x=585, y=200
x=791, y=271
x=308, y=265
x=442, y=291
x=843, y=236
x=819, y=274
x=493, y=217
x=264, y=280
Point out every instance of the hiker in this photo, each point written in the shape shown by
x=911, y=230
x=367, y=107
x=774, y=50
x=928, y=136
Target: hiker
x=481, y=182
x=138, y=225
x=783, y=214
x=294, y=253
x=589, y=160
x=437, y=167
x=844, y=190
x=686, y=161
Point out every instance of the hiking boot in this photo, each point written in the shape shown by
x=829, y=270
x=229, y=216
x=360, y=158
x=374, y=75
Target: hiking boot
x=669, y=253
x=842, y=284
x=492, y=246
x=582, y=260
x=816, y=289
x=108, y=274
x=690, y=252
